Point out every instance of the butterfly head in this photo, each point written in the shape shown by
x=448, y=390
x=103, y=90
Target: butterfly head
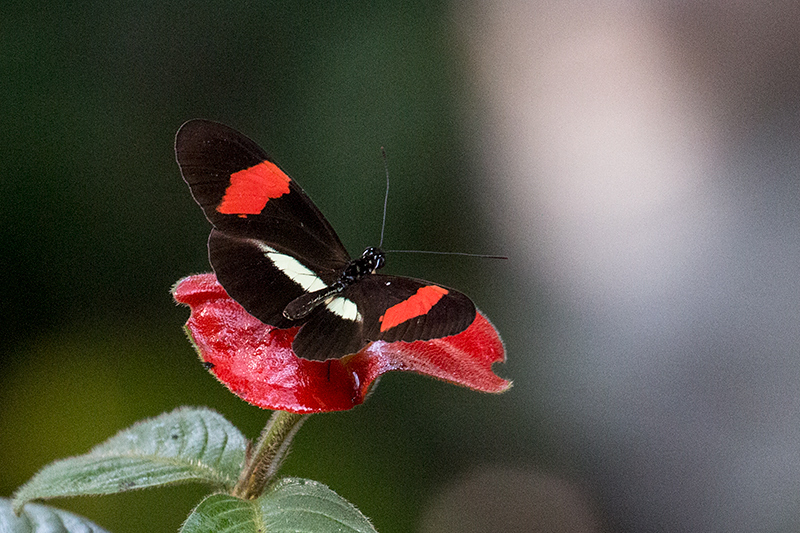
x=371, y=260
x=374, y=258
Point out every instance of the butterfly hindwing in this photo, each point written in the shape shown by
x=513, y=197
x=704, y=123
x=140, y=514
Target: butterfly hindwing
x=262, y=279
x=330, y=334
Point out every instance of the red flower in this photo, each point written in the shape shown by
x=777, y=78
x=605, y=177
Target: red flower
x=255, y=361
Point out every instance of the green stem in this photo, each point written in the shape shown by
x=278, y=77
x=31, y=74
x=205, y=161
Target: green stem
x=270, y=451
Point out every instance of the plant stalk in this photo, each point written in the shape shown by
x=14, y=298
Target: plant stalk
x=268, y=455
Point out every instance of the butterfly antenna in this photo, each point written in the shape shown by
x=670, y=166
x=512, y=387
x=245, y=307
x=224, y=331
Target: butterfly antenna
x=386, y=196
x=383, y=225
x=464, y=254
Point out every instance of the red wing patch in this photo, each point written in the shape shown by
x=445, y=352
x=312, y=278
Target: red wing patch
x=252, y=188
x=417, y=305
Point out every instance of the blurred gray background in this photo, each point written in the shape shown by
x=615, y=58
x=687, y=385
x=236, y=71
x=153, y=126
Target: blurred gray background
x=638, y=162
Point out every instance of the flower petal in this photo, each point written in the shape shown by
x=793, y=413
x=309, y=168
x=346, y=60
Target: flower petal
x=256, y=362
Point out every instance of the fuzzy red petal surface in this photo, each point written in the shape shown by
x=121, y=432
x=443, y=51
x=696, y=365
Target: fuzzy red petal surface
x=256, y=362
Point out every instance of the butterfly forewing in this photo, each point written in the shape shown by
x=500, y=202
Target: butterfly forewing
x=406, y=309
x=388, y=308
x=243, y=193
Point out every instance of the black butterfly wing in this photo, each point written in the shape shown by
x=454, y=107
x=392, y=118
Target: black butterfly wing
x=270, y=243
x=244, y=194
x=407, y=309
x=387, y=308
x=262, y=279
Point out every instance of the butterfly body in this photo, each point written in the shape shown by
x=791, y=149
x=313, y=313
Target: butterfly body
x=275, y=254
x=371, y=260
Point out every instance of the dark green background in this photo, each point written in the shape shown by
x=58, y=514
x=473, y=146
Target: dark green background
x=97, y=225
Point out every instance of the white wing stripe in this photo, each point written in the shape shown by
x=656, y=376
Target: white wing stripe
x=346, y=309
x=293, y=268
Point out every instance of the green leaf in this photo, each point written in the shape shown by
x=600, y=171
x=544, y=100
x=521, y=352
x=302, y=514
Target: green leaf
x=188, y=444
x=42, y=519
x=290, y=505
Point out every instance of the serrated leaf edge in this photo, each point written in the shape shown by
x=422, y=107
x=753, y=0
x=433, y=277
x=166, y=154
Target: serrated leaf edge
x=197, y=470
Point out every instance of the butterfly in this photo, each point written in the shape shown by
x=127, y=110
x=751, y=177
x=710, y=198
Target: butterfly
x=275, y=254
